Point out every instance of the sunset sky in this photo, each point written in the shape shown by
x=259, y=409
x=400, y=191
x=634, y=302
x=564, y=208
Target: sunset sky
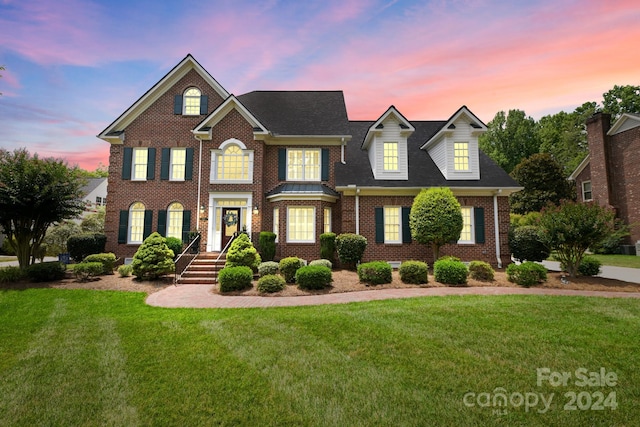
x=73, y=66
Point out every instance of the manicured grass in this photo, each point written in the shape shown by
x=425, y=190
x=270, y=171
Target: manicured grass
x=75, y=357
x=631, y=261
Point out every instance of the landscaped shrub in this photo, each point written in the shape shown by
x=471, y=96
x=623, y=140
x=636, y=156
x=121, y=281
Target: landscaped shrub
x=589, y=266
x=328, y=246
x=313, y=277
x=267, y=244
x=235, y=278
x=525, y=244
x=125, y=270
x=11, y=274
x=153, y=258
x=46, y=271
x=450, y=272
x=268, y=268
x=7, y=249
x=108, y=261
x=448, y=258
x=323, y=262
x=611, y=243
x=526, y=274
x=271, y=283
x=350, y=248
x=480, y=270
x=85, y=244
x=175, y=245
x=375, y=272
x=242, y=253
x=288, y=267
x=414, y=272
x=86, y=270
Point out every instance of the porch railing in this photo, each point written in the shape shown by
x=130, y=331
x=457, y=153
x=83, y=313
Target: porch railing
x=185, y=259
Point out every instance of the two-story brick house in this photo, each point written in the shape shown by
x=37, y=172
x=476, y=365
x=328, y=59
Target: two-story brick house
x=190, y=156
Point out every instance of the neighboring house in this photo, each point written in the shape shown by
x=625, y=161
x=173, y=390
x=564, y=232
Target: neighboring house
x=610, y=174
x=189, y=156
x=95, y=194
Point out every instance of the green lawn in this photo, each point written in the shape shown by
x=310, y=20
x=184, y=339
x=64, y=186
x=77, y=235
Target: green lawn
x=104, y=358
x=630, y=261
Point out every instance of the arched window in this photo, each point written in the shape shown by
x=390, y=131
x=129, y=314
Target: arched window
x=174, y=220
x=191, y=102
x=136, y=223
x=233, y=165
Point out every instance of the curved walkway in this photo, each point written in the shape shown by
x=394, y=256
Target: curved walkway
x=200, y=296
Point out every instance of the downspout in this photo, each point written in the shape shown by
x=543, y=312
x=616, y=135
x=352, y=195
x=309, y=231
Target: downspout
x=496, y=226
x=357, y=210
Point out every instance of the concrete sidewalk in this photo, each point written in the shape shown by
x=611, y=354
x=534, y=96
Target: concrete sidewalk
x=631, y=275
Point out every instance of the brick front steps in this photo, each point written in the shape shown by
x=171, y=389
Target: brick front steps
x=203, y=270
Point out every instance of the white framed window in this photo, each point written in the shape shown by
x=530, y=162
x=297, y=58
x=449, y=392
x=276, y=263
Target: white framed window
x=461, y=156
x=178, y=164
x=327, y=220
x=303, y=164
x=301, y=224
x=587, y=194
x=191, y=102
x=392, y=224
x=232, y=163
x=390, y=156
x=276, y=222
x=467, y=233
x=139, y=166
x=136, y=223
x=174, y=220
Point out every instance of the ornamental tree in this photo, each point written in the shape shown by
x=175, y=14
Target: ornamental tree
x=34, y=194
x=571, y=228
x=435, y=218
x=153, y=258
x=243, y=253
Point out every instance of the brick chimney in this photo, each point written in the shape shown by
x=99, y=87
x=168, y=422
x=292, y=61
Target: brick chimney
x=597, y=127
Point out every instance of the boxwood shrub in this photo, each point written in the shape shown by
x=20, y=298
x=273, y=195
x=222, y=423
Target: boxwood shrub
x=526, y=274
x=313, y=277
x=108, y=261
x=525, y=244
x=235, y=278
x=288, y=267
x=350, y=248
x=414, y=272
x=589, y=266
x=268, y=268
x=125, y=270
x=267, y=245
x=450, y=272
x=375, y=272
x=480, y=270
x=86, y=270
x=46, y=271
x=323, y=262
x=271, y=283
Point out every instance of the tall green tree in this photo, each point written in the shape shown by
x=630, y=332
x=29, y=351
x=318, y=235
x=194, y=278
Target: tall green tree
x=544, y=182
x=510, y=138
x=34, y=194
x=435, y=218
x=620, y=100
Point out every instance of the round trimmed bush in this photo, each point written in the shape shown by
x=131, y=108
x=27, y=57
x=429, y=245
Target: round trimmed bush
x=175, y=245
x=450, y=272
x=288, y=267
x=589, y=266
x=480, y=270
x=526, y=274
x=267, y=268
x=414, y=272
x=323, y=262
x=350, y=248
x=375, y=272
x=86, y=270
x=271, y=283
x=313, y=277
x=235, y=278
x=125, y=270
x=525, y=244
x=108, y=261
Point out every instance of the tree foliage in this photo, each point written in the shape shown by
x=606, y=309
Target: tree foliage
x=620, y=100
x=94, y=222
x=571, y=228
x=153, y=258
x=58, y=235
x=34, y=194
x=543, y=181
x=435, y=218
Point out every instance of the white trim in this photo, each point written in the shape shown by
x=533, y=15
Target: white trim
x=276, y=222
x=619, y=125
x=384, y=225
x=133, y=163
x=584, y=199
x=373, y=131
x=583, y=164
x=445, y=129
x=213, y=237
x=288, y=196
x=303, y=165
x=184, y=98
x=221, y=112
x=217, y=154
x=289, y=208
x=171, y=151
x=324, y=219
x=472, y=231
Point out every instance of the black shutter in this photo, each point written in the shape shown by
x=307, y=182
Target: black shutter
x=478, y=219
x=177, y=104
x=188, y=167
x=151, y=164
x=204, y=104
x=186, y=225
x=123, y=226
x=379, y=218
x=148, y=223
x=126, y=162
x=165, y=158
x=325, y=164
x=282, y=164
x=406, y=230
x=162, y=222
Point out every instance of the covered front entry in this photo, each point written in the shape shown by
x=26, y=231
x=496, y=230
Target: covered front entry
x=229, y=213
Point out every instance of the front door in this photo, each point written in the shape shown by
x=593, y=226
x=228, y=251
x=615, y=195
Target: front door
x=230, y=224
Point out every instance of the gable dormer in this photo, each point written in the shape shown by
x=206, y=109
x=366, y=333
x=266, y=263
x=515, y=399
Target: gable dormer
x=454, y=148
x=386, y=144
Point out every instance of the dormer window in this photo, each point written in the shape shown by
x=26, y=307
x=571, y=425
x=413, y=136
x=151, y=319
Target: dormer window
x=390, y=156
x=461, y=156
x=191, y=102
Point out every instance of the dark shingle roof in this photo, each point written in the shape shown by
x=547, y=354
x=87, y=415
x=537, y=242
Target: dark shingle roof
x=92, y=184
x=423, y=171
x=299, y=112
x=299, y=188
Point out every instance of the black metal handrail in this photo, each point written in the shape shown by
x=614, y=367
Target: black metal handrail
x=185, y=259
